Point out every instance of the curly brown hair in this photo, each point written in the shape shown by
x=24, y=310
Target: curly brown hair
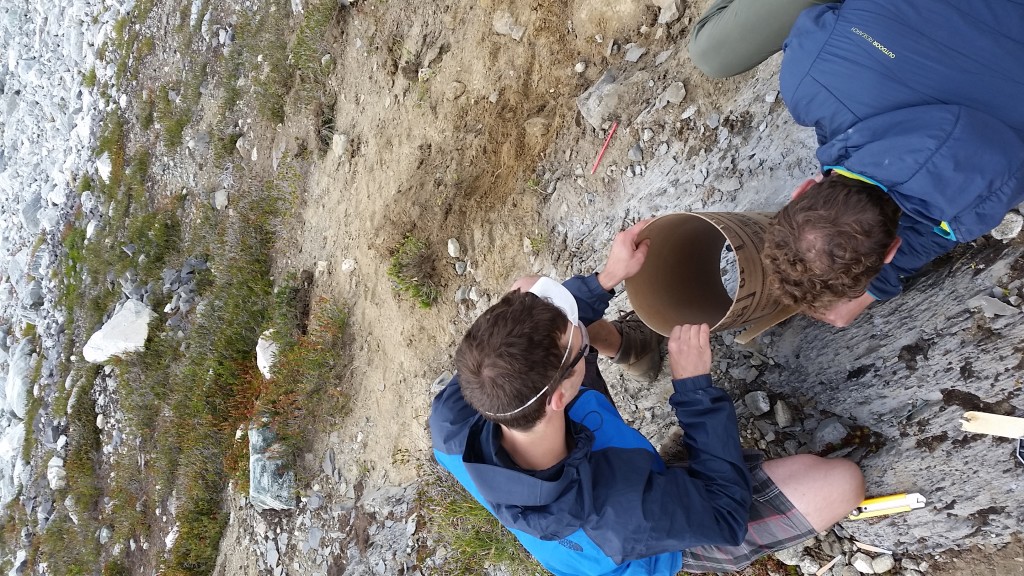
x=827, y=244
x=508, y=355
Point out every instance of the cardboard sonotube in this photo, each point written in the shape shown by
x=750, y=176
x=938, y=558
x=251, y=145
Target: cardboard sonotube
x=681, y=279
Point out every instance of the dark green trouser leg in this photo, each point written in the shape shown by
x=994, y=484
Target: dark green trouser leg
x=733, y=36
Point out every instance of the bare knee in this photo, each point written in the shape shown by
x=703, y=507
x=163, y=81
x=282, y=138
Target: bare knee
x=849, y=480
x=824, y=490
x=845, y=490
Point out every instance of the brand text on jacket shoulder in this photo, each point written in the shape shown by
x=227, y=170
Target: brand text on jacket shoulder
x=874, y=42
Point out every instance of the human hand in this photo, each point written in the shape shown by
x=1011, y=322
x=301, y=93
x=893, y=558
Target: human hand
x=845, y=312
x=626, y=257
x=689, y=351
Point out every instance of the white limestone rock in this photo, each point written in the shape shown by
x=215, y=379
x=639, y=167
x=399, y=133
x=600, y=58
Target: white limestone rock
x=862, y=562
x=266, y=353
x=883, y=564
x=1010, y=227
x=669, y=11
x=16, y=387
x=103, y=167
x=505, y=25
x=220, y=199
x=20, y=560
x=454, y=250
x=11, y=464
x=55, y=474
x=125, y=332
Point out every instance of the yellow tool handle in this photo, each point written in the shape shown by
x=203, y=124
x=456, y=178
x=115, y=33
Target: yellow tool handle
x=883, y=505
x=872, y=502
x=881, y=512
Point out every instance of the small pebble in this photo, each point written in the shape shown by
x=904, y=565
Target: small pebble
x=634, y=52
x=758, y=402
x=454, y=250
x=636, y=154
x=883, y=564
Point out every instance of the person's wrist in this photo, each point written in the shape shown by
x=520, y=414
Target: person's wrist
x=607, y=280
x=692, y=383
x=684, y=374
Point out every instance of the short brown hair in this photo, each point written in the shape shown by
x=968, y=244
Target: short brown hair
x=829, y=242
x=508, y=354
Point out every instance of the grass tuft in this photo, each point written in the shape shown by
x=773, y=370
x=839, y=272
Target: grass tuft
x=89, y=79
x=309, y=52
x=266, y=34
x=412, y=270
x=475, y=538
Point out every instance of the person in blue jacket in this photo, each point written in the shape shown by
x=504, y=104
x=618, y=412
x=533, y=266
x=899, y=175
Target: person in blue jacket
x=528, y=427
x=918, y=115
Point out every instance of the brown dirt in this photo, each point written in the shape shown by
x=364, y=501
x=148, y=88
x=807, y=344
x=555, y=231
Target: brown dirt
x=426, y=162
x=430, y=155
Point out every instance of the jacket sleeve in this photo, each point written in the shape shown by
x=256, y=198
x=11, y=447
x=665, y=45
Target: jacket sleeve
x=718, y=476
x=705, y=503
x=591, y=298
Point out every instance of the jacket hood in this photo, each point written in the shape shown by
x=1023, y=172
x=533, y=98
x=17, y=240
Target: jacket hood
x=557, y=506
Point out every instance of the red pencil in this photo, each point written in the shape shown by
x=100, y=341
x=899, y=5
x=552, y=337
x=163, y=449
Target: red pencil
x=605, y=147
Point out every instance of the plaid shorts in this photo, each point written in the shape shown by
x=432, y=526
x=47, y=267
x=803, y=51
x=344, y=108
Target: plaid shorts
x=774, y=524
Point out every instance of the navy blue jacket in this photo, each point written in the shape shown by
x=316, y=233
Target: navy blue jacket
x=612, y=506
x=926, y=99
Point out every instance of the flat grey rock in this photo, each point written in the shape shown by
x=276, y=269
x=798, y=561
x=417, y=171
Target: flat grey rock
x=831, y=432
x=635, y=154
x=990, y=307
x=758, y=402
x=634, y=52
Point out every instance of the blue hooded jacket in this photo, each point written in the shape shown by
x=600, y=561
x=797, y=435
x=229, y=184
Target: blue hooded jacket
x=611, y=507
x=926, y=99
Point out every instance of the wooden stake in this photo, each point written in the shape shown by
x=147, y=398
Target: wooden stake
x=870, y=548
x=994, y=424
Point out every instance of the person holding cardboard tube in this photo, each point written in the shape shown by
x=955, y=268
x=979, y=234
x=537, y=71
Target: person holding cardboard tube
x=528, y=427
x=916, y=107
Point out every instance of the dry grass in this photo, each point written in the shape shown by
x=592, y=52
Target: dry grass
x=474, y=537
